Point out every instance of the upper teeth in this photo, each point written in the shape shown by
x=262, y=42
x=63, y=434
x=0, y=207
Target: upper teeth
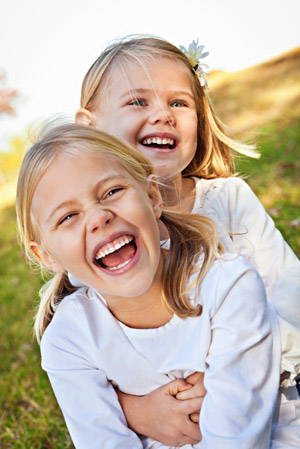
x=158, y=140
x=113, y=246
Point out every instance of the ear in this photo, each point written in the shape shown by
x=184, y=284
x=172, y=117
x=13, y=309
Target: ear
x=155, y=196
x=85, y=117
x=45, y=258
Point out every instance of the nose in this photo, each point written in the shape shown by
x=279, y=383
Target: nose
x=161, y=114
x=99, y=218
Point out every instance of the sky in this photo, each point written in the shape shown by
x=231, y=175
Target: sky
x=47, y=46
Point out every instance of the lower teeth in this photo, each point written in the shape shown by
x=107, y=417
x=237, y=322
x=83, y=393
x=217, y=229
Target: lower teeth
x=119, y=266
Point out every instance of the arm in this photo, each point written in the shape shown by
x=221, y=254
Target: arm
x=87, y=399
x=242, y=375
x=265, y=248
x=259, y=240
x=146, y=414
x=91, y=410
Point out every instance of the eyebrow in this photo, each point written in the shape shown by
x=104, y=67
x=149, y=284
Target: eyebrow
x=134, y=92
x=70, y=203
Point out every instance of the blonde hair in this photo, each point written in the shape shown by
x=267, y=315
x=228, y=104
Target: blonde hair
x=191, y=235
x=214, y=156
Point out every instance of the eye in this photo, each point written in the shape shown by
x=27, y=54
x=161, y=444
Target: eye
x=138, y=102
x=178, y=104
x=66, y=218
x=113, y=192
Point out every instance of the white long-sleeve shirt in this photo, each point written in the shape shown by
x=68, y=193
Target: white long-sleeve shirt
x=247, y=229
x=235, y=342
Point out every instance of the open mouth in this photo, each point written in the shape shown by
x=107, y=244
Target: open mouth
x=162, y=143
x=117, y=253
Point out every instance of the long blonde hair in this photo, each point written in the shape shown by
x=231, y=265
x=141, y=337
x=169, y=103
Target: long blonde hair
x=214, y=155
x=191, y=236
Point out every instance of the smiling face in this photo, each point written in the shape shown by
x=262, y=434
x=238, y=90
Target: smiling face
x=100, y=224
x=154, y=110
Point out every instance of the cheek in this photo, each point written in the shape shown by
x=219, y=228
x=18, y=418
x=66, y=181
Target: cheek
x=193, y=136
x=127, y=129
x=66, y=248
x=193, y=126
x=103, y=123
x=119, y=126
x=152, y=226
x=145, y=218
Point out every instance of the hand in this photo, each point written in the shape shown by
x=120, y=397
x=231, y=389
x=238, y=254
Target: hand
x=197, y=390
x=159, y=415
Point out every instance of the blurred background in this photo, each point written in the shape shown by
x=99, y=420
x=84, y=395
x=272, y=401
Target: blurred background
x=45, y=50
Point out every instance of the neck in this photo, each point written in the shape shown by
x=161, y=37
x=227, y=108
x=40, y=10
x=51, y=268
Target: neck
x=145, y=311
x=178, y=194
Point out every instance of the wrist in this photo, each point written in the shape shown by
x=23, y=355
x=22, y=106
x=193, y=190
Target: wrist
x=133, y=408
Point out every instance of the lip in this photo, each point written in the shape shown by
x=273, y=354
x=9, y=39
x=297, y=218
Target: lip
x=133, y=261
x=161, y=135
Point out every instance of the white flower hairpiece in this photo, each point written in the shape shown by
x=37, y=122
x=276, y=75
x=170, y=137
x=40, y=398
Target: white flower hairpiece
x=194, y=54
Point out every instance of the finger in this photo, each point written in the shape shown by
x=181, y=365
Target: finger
x=195, y=378
x=194, y=417
x=190, y=406
x=176, y=386
x=190, y=393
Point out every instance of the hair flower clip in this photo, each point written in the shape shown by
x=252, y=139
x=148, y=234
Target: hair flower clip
x=194, y=53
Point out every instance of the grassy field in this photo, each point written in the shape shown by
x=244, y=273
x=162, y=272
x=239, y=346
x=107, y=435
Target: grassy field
x=29, y=415
x=263, y=102
x=275, y=179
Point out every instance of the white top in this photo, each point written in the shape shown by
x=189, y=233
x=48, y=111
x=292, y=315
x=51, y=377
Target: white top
x=236, y=210
x=84, y=346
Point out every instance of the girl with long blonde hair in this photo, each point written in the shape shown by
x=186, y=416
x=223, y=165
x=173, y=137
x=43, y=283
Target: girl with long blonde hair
x=152, y=94
x=88, y=205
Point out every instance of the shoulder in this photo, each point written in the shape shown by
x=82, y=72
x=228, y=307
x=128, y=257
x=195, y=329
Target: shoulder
x=233, y=276
x=230, y=267
x=220, y=192
x=223, y=185
x=69, y=310
x=67, y=315
x=72, y=329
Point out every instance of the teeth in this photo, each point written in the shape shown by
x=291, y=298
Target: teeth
x=158, y=141
x=119, y=266
x=113, y=246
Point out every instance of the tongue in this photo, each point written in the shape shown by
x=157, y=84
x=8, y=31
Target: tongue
x=119, y=256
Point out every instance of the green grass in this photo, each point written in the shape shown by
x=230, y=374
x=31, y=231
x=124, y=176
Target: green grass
x=265, y=97
x=275, y=179
x=29, y=415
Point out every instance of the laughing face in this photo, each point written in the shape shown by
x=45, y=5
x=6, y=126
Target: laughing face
x=154, y=110
x=100, y=224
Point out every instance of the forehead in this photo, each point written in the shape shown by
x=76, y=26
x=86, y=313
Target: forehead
x=72, y=172
x=156, y=72
x=82, y=162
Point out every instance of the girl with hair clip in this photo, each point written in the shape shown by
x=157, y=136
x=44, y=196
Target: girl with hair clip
x=152, y=94
x=88, y=205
